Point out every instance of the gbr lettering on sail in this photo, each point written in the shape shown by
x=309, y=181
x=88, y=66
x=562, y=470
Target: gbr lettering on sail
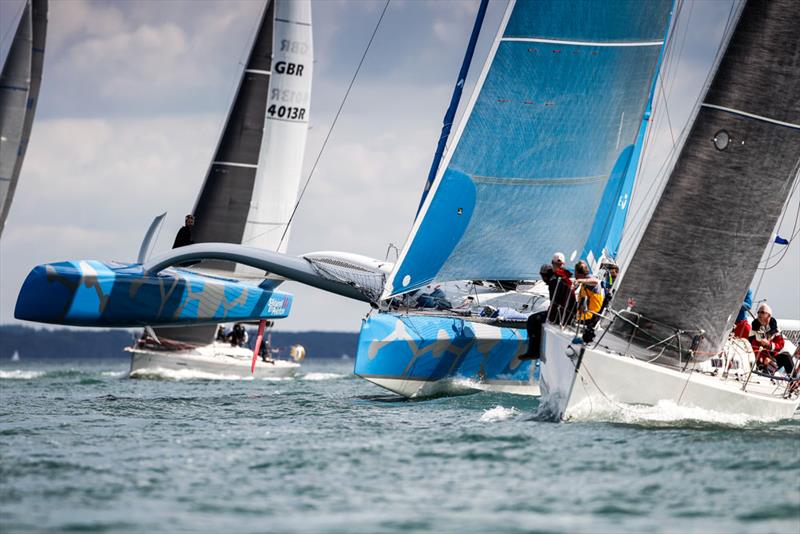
x=288, y=99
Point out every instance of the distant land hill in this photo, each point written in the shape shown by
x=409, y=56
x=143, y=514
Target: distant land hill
x=40, y=343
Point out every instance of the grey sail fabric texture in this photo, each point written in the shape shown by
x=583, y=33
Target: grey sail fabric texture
x=734, y=174
x=20, y=82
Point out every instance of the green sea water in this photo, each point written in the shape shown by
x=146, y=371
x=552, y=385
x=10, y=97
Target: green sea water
x=84, y=448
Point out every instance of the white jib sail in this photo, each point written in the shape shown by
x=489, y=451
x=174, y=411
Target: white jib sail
x=285, y=129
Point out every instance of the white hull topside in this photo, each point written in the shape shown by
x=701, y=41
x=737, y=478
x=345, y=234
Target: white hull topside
x=608, y=380
x=215, y=360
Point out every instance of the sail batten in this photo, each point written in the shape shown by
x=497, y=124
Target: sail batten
x=545, y=114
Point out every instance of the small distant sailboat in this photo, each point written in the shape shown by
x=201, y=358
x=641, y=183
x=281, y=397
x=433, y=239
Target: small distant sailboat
x=15, y=357
x=250, y=188
x=20, y=82
x=678, y=297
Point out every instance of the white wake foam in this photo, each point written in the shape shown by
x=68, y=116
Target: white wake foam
x=183, y=374
x=322, y=376
x=114, y=374
x=20, y=375
x=499, y=413
x=666, y=411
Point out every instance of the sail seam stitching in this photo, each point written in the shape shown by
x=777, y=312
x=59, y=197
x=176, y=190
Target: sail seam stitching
x=581, y=43
x=752, y=116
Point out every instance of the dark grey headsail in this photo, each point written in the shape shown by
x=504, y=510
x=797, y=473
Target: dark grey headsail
x=224, y=201
x=730, y=183
x=19, y=93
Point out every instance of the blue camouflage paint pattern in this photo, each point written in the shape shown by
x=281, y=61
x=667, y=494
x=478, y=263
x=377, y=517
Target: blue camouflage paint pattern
x=436, y=348
x=93, y=293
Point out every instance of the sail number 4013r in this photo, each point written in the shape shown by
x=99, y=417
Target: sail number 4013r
x=286, y=112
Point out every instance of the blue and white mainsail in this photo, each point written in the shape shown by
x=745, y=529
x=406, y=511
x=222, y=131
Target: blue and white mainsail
x=559, y=102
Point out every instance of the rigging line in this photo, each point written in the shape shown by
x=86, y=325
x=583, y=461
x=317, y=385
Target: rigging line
x=683, y=42
x=333, y=124
x=772, y=245
x=661, y=176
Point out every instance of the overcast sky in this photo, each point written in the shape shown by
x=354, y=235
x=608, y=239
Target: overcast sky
x=135, y=94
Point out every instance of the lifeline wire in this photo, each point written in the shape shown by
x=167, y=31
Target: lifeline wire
x=333, y=124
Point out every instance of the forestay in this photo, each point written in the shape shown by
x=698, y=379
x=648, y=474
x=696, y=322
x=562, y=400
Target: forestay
x=558, y=104
x=733, y=176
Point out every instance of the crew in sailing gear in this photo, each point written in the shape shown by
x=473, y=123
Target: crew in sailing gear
x=221, y=333
x=184, y=236
x=767, y=342
x=590, y=300
x=536, y=320
x=558, y=268
x=238, y=336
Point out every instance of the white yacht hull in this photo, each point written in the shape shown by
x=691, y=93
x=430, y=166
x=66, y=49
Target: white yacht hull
x=218, y=360
x=605, y=379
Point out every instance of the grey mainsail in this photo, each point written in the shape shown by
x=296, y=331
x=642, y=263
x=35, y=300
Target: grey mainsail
x=733, y=176
x=19, y=93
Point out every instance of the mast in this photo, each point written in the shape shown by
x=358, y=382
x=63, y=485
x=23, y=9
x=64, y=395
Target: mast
x=20, y=82
x=730, y=183
x=450, y=115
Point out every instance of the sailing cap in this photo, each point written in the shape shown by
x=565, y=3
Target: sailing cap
x=765, y=307
x=558, y=256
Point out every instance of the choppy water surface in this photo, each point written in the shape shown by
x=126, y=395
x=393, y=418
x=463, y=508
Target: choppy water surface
x=85, y=448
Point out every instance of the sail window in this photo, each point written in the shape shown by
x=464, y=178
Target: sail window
x=721, y=140
x=460, y=211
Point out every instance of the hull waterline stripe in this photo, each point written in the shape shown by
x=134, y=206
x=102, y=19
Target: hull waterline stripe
x=753, y=116
x=257, y=71
x=232, y=164
x=581, y=43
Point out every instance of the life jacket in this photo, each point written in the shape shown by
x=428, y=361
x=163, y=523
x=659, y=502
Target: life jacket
x=593, y=299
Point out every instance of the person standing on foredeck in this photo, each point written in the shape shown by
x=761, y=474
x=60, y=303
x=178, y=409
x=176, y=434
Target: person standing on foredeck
x=184, y=236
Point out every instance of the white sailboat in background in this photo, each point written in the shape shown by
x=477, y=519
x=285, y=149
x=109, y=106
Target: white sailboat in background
x=678, y=296
x=249, y=191
x=20, y=82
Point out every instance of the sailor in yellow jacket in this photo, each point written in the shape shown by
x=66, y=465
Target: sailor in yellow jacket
x=590, y=299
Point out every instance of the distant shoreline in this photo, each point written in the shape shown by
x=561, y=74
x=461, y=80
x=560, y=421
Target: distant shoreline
x=62, y=343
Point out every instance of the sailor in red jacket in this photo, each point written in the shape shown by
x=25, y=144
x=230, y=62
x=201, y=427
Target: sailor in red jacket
x=767, y=341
